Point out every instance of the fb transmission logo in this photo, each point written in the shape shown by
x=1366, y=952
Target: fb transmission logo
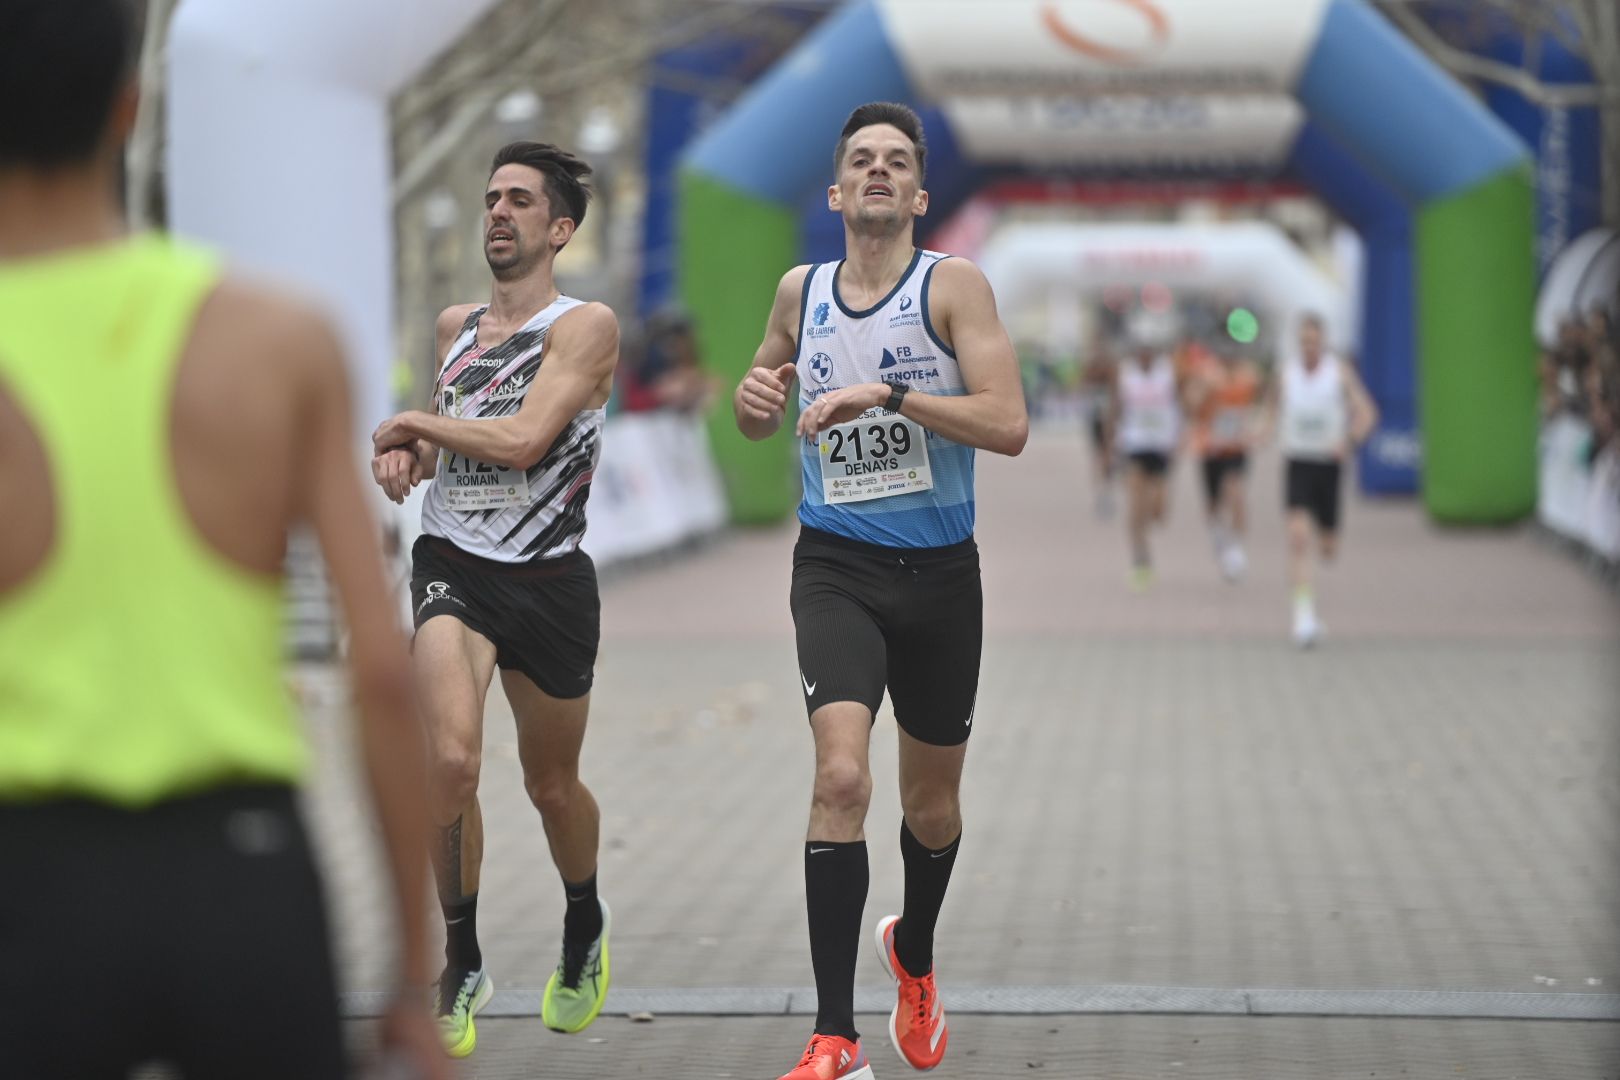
x=821, y=366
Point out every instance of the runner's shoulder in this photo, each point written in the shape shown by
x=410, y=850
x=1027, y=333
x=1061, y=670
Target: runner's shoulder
x=270, y=325
x=449, y=323
x=591, y=316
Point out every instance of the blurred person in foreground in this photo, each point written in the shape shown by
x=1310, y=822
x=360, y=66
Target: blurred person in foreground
x=162, y=427
x=1221, y=398
x=1323, y=411
x=904, y=371
x=498, y=579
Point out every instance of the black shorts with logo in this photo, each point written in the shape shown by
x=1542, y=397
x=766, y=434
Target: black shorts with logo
x=1313, y=486
x=868, y=617
x=544, y=617
x=191, y=932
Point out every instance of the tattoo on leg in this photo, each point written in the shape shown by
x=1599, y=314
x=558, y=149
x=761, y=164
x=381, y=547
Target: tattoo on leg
x=449, y=862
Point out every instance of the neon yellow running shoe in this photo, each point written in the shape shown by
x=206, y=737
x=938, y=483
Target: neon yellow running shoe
x=577, y=989
x=455, y=1002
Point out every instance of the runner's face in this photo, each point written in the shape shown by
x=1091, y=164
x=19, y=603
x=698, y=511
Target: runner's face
x=517, y=221
x=1310, y=340
x=878, y=189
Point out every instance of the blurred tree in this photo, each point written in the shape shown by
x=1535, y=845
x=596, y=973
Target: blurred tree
x=1590, y=29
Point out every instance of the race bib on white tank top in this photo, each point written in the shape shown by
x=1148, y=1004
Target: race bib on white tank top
x=881, y=478
x=497, y=512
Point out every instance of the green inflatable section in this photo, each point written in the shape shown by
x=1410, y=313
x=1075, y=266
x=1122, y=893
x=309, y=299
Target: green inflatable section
x=734, y=248
x=1476, y=378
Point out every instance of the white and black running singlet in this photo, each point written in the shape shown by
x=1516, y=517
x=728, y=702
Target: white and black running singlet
x=510, y=515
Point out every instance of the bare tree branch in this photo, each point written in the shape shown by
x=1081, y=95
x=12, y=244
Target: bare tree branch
x=1555, y=95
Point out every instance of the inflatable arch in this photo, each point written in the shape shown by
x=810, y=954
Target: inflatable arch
x=1253, y=257
x=1325, y=84
x=279, y=149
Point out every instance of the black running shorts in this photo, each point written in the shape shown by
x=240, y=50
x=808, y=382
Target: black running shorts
x=1313, y=486
x=1151, y=462
x=1216, y=467
x=910, y=619
x=191, y=933
x=544, y=617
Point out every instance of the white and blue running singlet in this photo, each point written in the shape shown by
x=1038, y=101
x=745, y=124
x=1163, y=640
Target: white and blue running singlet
x=870, y=480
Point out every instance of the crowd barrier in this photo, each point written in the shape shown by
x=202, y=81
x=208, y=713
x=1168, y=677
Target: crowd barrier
x=1579, y=496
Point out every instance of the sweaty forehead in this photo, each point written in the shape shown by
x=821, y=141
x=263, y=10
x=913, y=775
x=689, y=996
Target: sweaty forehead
x=880, y=139
x=516, y=177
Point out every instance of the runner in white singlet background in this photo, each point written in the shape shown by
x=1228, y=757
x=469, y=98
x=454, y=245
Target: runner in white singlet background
x=1323, y=410
x=498, y=578
x=1148, y=423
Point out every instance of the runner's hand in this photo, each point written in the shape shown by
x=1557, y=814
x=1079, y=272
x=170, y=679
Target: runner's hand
x=396, y=472
x=764, y=392
x=410, y=1036
x=841, y=406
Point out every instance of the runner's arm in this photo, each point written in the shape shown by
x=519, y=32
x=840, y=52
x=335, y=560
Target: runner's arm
x=760, y=400
x=1265, y=419
x=991, y=415
x=445, y=331
x=581, y=351
x=1363, y=411
x=389, y=737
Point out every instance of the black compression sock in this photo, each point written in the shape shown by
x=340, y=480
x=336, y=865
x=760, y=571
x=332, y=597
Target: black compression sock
x=582, y=923
x=461, y=950
x=835, y=881
x=927, y=875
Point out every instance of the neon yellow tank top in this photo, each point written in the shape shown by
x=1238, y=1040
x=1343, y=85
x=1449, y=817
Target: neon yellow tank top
x=137, y=663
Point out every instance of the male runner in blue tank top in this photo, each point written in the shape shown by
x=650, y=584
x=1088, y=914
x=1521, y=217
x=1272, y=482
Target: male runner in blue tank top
x=904, y=370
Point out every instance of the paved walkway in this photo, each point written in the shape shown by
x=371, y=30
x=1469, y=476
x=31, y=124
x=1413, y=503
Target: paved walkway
x=1160, y=793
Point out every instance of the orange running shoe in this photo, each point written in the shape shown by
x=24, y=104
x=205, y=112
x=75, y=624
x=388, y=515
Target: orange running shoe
x=830, y=1057
x=917, y=1025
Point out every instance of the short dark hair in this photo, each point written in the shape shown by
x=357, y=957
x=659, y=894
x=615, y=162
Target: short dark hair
x=564, y=175
x=62, y=63
x=885, y=112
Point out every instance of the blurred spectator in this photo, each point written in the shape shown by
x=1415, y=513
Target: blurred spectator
x=1580, y=377
x=665, y=371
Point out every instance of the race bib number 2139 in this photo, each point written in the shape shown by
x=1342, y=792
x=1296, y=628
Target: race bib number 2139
x=877, y=456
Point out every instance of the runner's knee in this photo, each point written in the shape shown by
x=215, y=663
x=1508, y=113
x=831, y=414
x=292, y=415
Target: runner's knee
x=453, y=767
x=842, y=785
x=934, y=816
x=553, y=793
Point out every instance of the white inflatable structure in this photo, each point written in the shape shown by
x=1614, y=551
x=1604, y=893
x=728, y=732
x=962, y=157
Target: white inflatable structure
x=1253, y=259
x=279, y=149
x=279, y=155
x=1584, y=278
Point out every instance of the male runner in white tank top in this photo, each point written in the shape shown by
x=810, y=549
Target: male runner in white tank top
x=1147, y=418
x=498, y=579
x=1324, y=411
x=904, y=371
